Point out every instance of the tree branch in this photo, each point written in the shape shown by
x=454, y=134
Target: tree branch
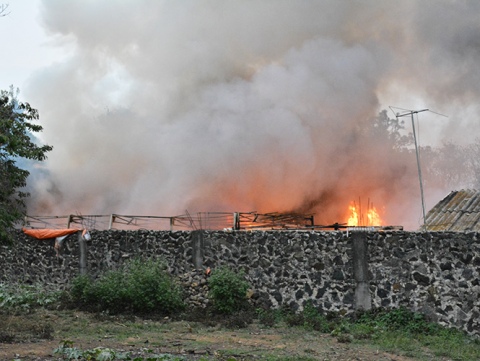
x=3, y=10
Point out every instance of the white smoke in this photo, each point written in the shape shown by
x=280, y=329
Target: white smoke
x=247, y=105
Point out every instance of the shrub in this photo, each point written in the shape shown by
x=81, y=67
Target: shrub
x=268, y=317
x=150, y=287
x=309, y=318
x=140, y=286
x=228, y=290
x=79, y=291
x=240, y=319
x=110, y=292
x=315, y=320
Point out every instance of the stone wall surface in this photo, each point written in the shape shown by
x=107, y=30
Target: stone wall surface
x=434, y=273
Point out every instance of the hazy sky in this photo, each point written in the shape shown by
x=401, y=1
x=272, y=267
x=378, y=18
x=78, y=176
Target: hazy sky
x=26, y=47
x=154, y=107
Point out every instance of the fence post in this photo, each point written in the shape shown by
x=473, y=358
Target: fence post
x=198, y=246
x=83, y=253
x=236, y=221
x=363, y=299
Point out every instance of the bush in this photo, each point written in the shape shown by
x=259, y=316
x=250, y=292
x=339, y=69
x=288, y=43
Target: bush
x=140, y=286
x=79, y=291
x=228, y=290
x=240, y=319
x=150, y=287
x=310, y=318
x=314, y=319
x=269, y=318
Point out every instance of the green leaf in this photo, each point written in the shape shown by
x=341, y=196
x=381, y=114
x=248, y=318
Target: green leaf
x=17, y=125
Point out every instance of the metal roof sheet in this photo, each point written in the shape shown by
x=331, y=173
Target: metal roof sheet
x=458, y=212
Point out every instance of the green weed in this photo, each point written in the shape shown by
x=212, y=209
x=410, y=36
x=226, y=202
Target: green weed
x=228, y=290
x=67, y=351
x=400, y=319
x=25, y=298
x=269, y=318
x=310, y=319
x=411, y=334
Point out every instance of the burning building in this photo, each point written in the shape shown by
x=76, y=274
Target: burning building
x=272, y=106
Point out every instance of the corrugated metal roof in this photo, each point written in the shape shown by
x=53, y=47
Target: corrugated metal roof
x=458, y=212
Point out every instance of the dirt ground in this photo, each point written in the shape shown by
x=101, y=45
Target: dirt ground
x=35, y=336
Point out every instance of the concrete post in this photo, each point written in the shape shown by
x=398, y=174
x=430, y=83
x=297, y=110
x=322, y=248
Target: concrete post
x=198, y=246
x=112, y=219
x=236, y=221
x=82, y=243
x=363, y=299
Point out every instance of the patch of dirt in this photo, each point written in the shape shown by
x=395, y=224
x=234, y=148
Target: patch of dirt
x=35, y=336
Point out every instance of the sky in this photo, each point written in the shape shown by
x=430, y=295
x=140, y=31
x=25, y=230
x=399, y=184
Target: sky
x=157, y=107
x=27, y=48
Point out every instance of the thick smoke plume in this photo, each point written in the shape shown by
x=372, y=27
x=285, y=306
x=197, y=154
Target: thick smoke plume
x=246, y=105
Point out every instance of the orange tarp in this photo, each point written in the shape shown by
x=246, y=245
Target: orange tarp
x=49, y=233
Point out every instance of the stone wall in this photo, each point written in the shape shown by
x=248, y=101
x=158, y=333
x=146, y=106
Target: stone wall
x=435, y=273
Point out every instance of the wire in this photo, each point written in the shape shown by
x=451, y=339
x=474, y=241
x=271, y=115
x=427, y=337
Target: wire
x=418, y=133
x=406, y=110
x=443, y=115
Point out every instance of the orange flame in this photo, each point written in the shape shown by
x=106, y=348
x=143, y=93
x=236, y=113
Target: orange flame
x=353, y=220
x=357, y=218
x=373, y=217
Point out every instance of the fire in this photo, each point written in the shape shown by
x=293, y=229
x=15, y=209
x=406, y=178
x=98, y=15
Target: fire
x=353, y=220
x=357, y=217
x=373, y=217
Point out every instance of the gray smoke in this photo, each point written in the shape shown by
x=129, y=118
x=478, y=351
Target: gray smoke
x=248, y=105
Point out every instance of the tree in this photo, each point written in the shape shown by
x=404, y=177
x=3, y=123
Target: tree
x=16, y=141
x=447, y=166
x=473, y=162
x=3, y=10
x=391, y=131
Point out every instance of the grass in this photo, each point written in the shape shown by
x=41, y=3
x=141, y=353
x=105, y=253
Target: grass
x=410, y=334
x=397, y=331
x=424, y=347
x=276, y=343
x=29, y=314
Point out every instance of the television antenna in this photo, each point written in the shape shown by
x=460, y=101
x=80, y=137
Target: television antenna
x=411, y=113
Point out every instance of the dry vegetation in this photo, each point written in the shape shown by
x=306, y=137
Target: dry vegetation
x=34, y=336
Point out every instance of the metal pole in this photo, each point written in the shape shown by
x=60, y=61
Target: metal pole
x=418, y=159
x=419, y=172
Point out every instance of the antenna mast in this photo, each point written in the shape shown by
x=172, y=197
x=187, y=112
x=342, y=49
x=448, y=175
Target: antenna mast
x=411, y=112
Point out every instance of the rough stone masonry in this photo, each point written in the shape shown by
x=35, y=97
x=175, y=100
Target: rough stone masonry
x=433, y=273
